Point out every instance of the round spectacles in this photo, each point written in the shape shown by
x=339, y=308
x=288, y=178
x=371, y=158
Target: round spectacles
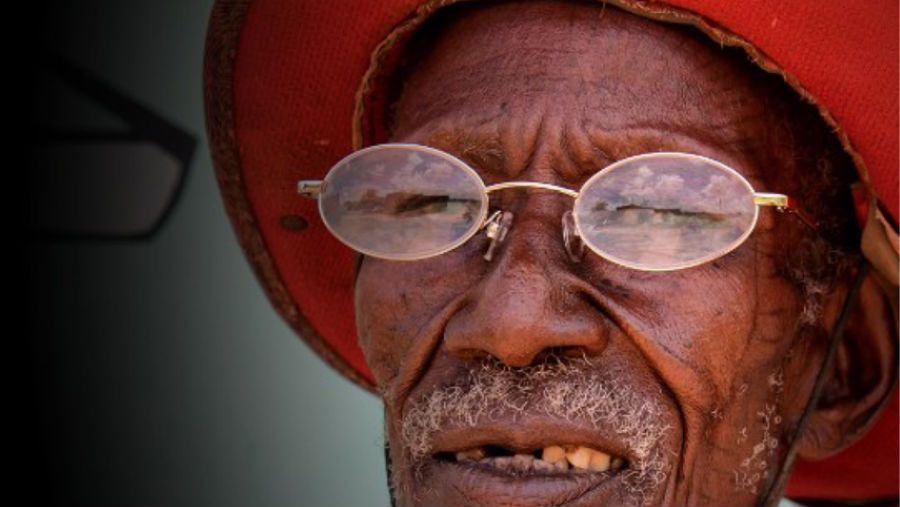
x=652, y=212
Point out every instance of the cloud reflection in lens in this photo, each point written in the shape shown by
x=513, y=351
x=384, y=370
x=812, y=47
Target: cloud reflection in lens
x=665, y=211
x=402, y=202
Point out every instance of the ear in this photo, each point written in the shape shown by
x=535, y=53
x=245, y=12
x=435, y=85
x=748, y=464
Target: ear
x=863, y=373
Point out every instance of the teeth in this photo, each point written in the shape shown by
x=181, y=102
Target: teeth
x=553, y=454
x=523, y=461
x=471, y=455
x=580, y=457
x=542, y=466
x=553, y=458
x=599, y=461
x=503, y=461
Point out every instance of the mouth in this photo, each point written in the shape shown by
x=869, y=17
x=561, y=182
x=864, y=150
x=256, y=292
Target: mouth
x=489, y=463
x=552, y=434
x=551, y=459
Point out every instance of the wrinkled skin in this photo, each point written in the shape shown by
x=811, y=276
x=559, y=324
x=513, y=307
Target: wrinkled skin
x=553, y=92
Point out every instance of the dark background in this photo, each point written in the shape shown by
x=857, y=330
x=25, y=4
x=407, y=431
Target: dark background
x=159, y=373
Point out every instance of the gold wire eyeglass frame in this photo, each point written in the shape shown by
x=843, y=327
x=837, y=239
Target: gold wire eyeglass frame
x=496, y=229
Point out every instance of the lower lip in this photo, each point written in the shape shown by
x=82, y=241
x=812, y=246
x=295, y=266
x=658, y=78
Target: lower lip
x=483, y=485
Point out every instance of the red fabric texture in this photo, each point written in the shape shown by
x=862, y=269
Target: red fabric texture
x=299, y=65
x=843, y=53
x=868, y=469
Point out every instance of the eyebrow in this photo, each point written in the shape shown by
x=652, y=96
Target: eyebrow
x=484, y=152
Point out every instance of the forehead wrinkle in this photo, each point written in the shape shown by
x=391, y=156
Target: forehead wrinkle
x=586, y=149
x=483, y=151
x=501, y=141
x=488, y=154
x=500, y=146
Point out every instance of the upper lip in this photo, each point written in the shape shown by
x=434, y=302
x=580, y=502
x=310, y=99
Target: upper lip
x=525, y=435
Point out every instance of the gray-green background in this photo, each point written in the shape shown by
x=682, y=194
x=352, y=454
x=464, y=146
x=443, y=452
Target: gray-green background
x=162, y=374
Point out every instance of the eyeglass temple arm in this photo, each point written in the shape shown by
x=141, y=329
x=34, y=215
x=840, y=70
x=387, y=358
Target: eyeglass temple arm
x=785, y=203
x=310, y=188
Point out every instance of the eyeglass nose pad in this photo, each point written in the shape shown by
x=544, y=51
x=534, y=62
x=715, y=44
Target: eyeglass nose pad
x=496, y=228
x=571, y=239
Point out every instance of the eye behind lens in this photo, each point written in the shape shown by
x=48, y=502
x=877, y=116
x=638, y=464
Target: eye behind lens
x=665, y=211
x=402, y=201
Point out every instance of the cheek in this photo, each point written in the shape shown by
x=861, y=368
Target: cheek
x=718, y=337
x=730, y=322
x=399, y=304
x=382, y=307
x=720, y=324
x=708, y=329
x=702, y=318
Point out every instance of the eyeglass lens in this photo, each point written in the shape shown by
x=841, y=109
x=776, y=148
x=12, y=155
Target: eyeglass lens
x=398, y=202
x=665, y=211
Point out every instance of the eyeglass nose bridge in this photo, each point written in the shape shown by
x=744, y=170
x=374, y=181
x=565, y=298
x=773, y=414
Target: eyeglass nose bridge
x=531, y=184
x=497, y=225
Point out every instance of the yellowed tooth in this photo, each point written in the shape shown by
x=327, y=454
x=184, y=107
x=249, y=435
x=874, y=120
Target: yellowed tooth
x=599, y=461
x=470, y=455
x=553, y=454
x=617, y=463
x=580, y=457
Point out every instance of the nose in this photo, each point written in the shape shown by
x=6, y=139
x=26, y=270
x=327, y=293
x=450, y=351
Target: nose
x=527, y=304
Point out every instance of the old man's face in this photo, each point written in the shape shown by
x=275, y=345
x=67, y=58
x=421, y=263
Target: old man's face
x=664, y=388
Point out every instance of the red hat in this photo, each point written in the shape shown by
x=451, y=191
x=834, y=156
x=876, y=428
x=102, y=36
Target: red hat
x=292, y=87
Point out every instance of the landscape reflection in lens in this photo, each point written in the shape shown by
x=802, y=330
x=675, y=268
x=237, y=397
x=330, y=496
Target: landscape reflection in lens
x=665, y=211
x=402, y=202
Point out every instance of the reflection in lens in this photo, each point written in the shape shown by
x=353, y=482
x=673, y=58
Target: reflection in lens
x=665, y=211
x=402, y=202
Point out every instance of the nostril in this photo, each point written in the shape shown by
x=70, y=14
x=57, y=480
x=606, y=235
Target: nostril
x=554, y=354
x=471, y=354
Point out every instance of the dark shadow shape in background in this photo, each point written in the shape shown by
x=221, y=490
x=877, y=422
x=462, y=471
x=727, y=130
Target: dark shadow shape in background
x=115, y=184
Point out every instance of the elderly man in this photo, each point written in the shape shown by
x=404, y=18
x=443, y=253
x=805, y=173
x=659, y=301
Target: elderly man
x=576, y=288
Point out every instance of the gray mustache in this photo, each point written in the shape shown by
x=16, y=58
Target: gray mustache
x=568, y=389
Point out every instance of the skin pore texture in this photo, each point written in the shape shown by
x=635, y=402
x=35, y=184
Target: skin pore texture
x=693, y=379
